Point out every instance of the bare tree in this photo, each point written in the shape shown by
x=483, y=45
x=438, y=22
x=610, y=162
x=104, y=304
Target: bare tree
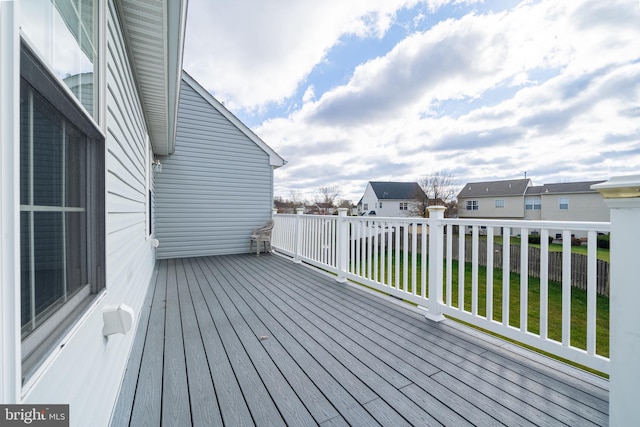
x=328, y=194
x=344, y=203
x=326, y=198
x=296, y=198
x=438, y=188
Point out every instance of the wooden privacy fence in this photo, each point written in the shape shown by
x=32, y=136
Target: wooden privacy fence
x=578, y=262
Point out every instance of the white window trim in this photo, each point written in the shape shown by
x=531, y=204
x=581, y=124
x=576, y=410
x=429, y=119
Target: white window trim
x=561, y=204
x=10, y=362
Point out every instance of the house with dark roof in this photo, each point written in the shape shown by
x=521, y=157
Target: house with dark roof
x=520, y=199
x=389, y=198
x=493, y=199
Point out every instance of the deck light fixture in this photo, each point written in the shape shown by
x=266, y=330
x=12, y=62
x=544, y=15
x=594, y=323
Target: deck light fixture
x=156, y=166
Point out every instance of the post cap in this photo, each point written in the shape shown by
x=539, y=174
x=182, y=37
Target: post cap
x=619, y=187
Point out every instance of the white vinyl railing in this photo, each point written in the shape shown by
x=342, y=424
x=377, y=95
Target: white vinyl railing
x=419, y=261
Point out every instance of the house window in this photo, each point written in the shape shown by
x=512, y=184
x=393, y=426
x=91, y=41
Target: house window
x=365, y=207
x=62, y=225
x=64, y=32
x=563, y=203
x=532, y=203
x=380, y=205
x=499, y=203
x=404, y=206
x=473, y=205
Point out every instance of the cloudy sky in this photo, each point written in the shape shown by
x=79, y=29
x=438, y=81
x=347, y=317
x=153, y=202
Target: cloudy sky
x=390, y=90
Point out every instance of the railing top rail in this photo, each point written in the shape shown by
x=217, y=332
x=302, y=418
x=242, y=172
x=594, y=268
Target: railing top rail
x=513, y=223
x=531, y=224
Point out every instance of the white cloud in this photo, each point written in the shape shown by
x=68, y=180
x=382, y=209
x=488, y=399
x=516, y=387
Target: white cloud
x=251, y=53
x=390, y=125
x=309, y=94
x=549, y=87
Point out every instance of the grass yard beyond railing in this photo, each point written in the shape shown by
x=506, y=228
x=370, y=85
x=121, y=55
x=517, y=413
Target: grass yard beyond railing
x=578, y=303
x=565, y=312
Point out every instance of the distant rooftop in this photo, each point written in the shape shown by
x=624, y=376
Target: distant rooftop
x=514, y=187
x=395, y=190
x=569, y=187
x=518, y=187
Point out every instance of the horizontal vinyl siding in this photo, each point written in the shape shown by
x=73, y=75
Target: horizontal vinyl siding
x=513, y=207
x=214, y=189
x=89, y=370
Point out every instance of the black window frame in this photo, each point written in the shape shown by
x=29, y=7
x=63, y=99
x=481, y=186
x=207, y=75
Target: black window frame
x=39, y=342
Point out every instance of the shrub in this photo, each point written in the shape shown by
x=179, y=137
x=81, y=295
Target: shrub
x=603, y=241
x=535, y=239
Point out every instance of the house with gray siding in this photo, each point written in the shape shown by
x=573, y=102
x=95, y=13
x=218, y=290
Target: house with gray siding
x=520, y=199
x=90, y=109
x=218, y=183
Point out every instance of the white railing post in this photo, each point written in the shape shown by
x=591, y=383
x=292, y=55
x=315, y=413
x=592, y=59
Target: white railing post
x=298, y=236
x=622, y=196
x=342, y=242
x=436, y=258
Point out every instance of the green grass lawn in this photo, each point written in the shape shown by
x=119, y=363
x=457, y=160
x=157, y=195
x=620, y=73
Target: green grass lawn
x=578, y=304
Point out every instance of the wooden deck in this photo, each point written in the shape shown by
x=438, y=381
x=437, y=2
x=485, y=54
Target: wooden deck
x=245, y=340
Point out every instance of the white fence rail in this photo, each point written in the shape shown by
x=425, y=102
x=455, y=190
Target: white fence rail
x=412, y=259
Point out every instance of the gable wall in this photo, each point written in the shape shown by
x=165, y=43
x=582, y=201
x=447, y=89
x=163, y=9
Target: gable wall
x=214, y=189
x=369, y=198
x=582, y=207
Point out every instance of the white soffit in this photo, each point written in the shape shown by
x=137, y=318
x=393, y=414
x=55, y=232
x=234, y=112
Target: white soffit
x=155, y=35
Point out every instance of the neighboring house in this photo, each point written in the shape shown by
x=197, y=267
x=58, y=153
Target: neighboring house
x=389, y=199
x=493, y=199
x=218, y=184
x=89, y=103
x=519, y=199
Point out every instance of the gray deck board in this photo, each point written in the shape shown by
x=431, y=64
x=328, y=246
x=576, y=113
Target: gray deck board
x=148, y=398
x=205, y=410
x=175, y=411
x=360, y=361
x=245, y=340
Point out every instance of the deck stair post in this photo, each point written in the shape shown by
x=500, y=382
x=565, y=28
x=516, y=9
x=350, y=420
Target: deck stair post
x=622, y=196
x=436, y=259
x=298, y=236
x=342, y=239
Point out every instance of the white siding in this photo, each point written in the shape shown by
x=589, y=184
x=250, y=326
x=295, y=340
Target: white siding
x=87, y=373
x=369, y=198
x=214, y=189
